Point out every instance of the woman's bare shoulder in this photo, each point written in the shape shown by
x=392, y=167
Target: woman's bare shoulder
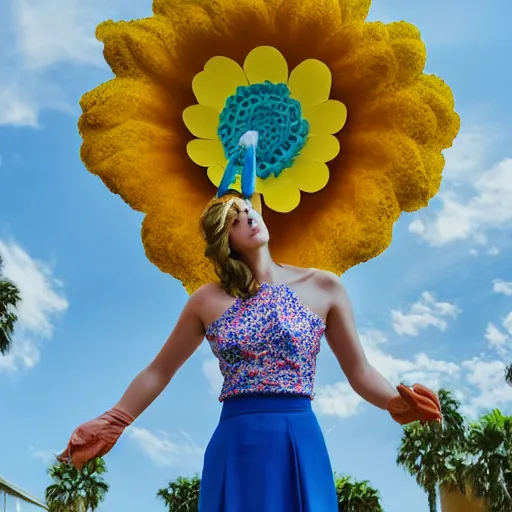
x=320, y=278
x=207, y=292
x=326, y=279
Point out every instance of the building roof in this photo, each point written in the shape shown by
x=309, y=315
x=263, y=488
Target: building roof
x=20, y=493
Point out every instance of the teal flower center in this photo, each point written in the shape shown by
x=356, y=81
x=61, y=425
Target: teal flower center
x=268, y=109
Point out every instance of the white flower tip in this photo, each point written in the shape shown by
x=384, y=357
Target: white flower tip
x=249, y=138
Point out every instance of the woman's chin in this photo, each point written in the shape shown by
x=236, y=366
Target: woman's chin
x=257, y=242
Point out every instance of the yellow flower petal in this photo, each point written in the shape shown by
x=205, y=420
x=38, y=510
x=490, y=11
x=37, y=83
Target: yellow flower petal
x=280, y=194
x=282, y=199
x=206, y=152
x=266, y=63
x=310, y=83
x=215, y=174
x=218, y=81
x=202, y=121
x=308, y=175
x=321, y=148
x=327, y=118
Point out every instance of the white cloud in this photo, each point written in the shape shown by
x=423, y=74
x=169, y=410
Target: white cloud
x=469, y=152
x=488, y=388
x=500, y=338
x=496, y=338
x=337, y=399
x=16, y=110
x=473, y=201
x=488, y=208
x=427, y=312
x=41, y=42
x=340, y=400
x=504, y=287
x=212, y=373
x=417, y=227
x=42, y=300
x=45, y=39
x=47, y=457
x=493, y=251
x=477, y=382
x=181, y=451
x=507, y=323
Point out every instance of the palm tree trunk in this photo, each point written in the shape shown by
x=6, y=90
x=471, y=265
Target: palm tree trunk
x=432, y=499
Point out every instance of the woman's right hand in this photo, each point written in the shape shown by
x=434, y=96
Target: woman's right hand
x=95, y=438
x=415, y=404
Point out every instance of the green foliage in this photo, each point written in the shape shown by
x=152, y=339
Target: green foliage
x=182, y=495
x=508, y=374
x=9, y=300
x=458, y=454
x=74, y=490
x=356, y=496
x=435, y=453
x=490, y=473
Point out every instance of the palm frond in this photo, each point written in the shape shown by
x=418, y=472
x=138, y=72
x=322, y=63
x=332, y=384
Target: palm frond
x=10, y=298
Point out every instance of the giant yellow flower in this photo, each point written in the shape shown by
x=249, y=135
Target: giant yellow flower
x=389, y=151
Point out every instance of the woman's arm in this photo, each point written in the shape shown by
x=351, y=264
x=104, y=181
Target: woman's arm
x=186, y=336
x=97, y=437
x=341, y=334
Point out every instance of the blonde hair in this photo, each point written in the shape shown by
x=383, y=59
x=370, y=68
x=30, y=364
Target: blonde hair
x=235, y=276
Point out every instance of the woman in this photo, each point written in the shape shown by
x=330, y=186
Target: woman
x=264, y=322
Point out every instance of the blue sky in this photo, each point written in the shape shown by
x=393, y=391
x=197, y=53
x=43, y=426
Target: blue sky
x=436, y=307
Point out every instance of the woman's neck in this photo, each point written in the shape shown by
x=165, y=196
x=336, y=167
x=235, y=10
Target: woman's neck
x=263, y=267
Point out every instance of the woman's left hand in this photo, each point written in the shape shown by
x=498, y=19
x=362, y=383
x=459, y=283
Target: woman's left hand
x=414, y=404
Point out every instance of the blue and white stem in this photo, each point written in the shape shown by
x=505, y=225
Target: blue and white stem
x=248, y=143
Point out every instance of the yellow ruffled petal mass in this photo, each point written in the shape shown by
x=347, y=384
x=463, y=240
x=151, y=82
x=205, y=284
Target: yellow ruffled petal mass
x=266, y=63
x=388, y=135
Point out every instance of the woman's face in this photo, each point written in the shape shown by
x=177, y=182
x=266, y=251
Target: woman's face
x=248, y=231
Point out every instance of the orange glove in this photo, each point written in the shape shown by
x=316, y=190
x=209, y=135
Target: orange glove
x=416, y=404
x=95, y=438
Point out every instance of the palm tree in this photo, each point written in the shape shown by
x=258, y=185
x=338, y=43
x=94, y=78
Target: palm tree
x=435, y=453
x=74, y=490
x=181, y=495
x=9, y=299
x=356, y=496
x=508, y=374
x=490, y=471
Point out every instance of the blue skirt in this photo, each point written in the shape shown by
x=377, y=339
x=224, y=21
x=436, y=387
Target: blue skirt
x=267, y=454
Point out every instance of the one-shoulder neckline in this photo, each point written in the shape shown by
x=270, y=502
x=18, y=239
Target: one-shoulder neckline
x=239, y=301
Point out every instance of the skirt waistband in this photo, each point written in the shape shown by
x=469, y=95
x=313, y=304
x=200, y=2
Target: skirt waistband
x=255, y=404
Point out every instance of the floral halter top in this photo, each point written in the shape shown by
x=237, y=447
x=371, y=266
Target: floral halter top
x=267, y=344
